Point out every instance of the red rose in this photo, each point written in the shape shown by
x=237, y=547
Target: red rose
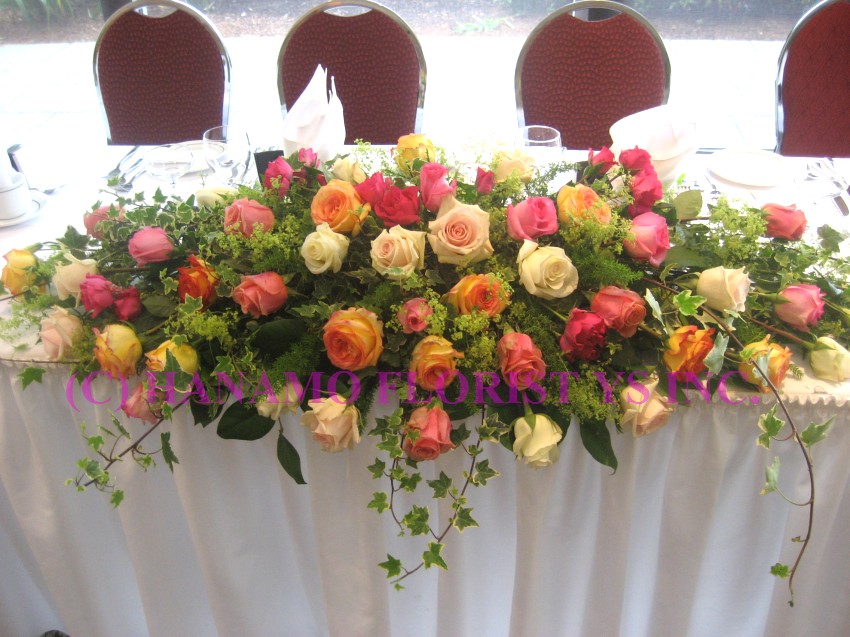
x=434, y=186
x=245, y=215
x=652, y=239
x=583, y=337
x=96, y=293
x=803, y=305
x=150, y=245
x=260, y=294
x=399, y=206
x=601, y=161
x=622, y=310
x=372, y=190
x=635, y=159
x=435, y=428
x=519, y=355
x=278, y=176
x=646, y=191
x=484, y=181
x=532, y=218
x=784, y=222
x=128, y=305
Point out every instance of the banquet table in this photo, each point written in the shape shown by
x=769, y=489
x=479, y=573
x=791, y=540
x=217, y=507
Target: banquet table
x=677, y=541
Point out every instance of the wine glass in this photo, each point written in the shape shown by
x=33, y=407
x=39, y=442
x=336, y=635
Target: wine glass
x=227, y=151
x=169, y=163
x=543, y=143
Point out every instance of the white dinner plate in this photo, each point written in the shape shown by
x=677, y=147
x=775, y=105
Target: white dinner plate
x=199, y=163
x=754, y=168
x=38, y=199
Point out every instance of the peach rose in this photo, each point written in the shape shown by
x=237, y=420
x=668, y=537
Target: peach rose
x=353, y=339
x=801, y=305
x=478, y=292
x=198, y=280
x=260, y=294
x=412, y=147
x=335, y=425
x=622, y=310
x=397, y=252
x=784, y=222
x=518, y=355
x=244, y=216
x=117, y=349
x=414, y=315
x=536, y=440
x=687, y=349
x=19, y=272
x=150, y=245
x=514, y=162
x=579, y=203
x=338, y=205
x=138, y=406
x=91, y=220
x=546, y=272
x=434, y=362
x=184, y=354
x=724, y=288
x=434, y=429
x=778, y=362
x=59, y=329
x=68, y=277
x=643, y=413
x=460, y=234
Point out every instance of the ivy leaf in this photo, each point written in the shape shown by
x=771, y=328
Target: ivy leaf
x=240, y=423
x=597, y=440
x=116, y=498
x=714, y=360
x=815, y=433
x=409, y=482
x=686, y=303
x=771, y=426
x=653, y=305
x=377, y=469
x=688, y=204
x=483, y=473
x=392, y=445
x=463, y=519
x=392, y=566
x=167, y=452
x=432, y=557
x=830, y=238
x=771, y=477
x=30, y=375
x=459, y=434
x=780, y=570
x=379, y=502
x=417, y=520
x=441, y=485
x=288, y=457
x=117, y=424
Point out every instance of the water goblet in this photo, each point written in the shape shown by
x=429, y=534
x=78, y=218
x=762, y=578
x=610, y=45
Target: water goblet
x=227, y=151
x=169, y=163
x=543, y=143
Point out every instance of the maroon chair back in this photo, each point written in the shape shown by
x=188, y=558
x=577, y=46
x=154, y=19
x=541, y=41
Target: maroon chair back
x=580, y=77
x=813, y=84
x=161, y=79
x=375, y=60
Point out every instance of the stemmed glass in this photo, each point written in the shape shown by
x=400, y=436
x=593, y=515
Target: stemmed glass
x=169, y=163
x=543, y=143
x=228, y=152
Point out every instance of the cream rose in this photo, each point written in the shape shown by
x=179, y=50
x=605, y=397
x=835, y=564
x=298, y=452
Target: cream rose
x=67, y=278
x=546, y=272
x=324, y=249
x=460, y=234
x=348, y=170
x=397, y=252
x=641, y=413
x=209, y=197
x=724, y=288
x=334, y=424
x=514, y=161
x=58, y=331
x=537, y=443
x=830, y=360
x=285, y=399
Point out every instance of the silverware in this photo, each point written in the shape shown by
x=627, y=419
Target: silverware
x=119, y=167
x=125, y=183
x=841, y=204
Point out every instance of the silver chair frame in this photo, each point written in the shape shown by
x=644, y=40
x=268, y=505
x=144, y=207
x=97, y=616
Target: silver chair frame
x=176, y=5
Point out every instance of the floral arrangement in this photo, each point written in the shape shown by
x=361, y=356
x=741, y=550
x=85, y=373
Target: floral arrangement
x=503, y=306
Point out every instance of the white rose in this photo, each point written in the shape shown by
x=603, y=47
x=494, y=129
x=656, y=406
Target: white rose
x=397, y=252
x=460, y=234
x=58, y=331
x=209, y=197
x=67, y=278
x=537, y=445
x=642, y=414
x=333, y=423
x=546, y=272
x=514, y=161
x=724, y=288
x=348, y=170
x=324, y=249
x=286, y=398
x=830, y=360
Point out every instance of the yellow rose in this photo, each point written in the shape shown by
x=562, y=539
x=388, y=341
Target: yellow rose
x=117, y=349
x=512, y=162
x=537, y=443
x=412, y=147
x=185, y=355
x=434, y=362
x=778, y=361
x=339, y=205
x=19, y=272
x=579, y=203
x=353, y=338
x=687, y=349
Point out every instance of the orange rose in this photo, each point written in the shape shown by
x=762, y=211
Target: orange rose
x=412, y=147
x=577, y=203
x=354, y=338
x=778, y=362
x=687, y=349
x=198, y=281
x=434, y=362
x=19, y=272
x=117, y=349
x=478, y=292
x=338, y=205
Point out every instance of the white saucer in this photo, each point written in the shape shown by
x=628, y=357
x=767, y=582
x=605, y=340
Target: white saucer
x=36, y=204
x=754, y=168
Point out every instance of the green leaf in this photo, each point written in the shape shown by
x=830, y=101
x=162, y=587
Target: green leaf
x=597, y=440
x=276, y=336
x=714, y=360
x=459, y=434
x=116, y=498
x=159, y=305
x=117, y=424
x=483, y=473
x=240, y=423
x=30, y=375
x=688, y=204
x=288, y=457
x=686, y=303
x=780, y=570
x=392, y=566
x=463, y=519
x=815, y=433
x=409, y=482
x=167, y=452
x=204, y=414
x=771, y=477
x=377, y=469
x=441, y=485
x=432, y=557
x=392, y=445
x=685, y=258
x=653, y=305
x=417, y=520
x=379, y=502
x=771, y=426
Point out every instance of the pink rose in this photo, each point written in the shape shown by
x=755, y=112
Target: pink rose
x=484, y=181
x=434, y=427
x=309, y=159
x=150, y=245
x=59, y=330
x=138, y=406
x=260, y=294
x=244, y=215
x=372, y=190
x=601, y=161
x=532, y=218
x=646, y=191
x=128, y=305
x=583, y=337
x=92, y=219
x=652, y=239
x=622, y=310
x=635, y=159
x=398, y=206
x=434, y=186
x=278, y=176
x=784, y=222
x=96, y=293
x=518, y=355
x=414, y=315
x=803, y=305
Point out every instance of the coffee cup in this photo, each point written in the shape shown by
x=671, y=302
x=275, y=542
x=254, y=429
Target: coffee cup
x=15, y=199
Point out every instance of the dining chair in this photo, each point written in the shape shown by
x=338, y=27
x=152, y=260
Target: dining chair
x=162, y=74
x=813, y=84
x=376, y=62
x=580, y=76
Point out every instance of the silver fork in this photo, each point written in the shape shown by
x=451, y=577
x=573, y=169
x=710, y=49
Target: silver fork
x=125, y=183
x=119, y=167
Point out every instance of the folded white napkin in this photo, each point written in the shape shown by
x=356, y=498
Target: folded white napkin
x=662, y=131
x=315, y=120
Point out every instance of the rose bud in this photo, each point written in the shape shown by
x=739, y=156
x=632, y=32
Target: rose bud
x=532, y=218
x=19, y=272
x=830, y=360
x=414, y=315
x=778, y=362
x=278, y=176
x=117, y=349
x=260, y=294
x=128, y=305
x=687, y=349
x=434, y=363
x=484, y=181
x=91, y=220
x=433, y=185
x=184, y=354
x=58, y=331
x=801, y=305
x=652, y=239
x=150, y=245
x=518, y=355
x=724, y=288
x=434, y=427
x=622, y=310
x=583, y=337
x=784, y=222
x=138, y=406
x=244, y=216
x=198, y=280
x=96, y=293
x=538, y=445
x=68, y=277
